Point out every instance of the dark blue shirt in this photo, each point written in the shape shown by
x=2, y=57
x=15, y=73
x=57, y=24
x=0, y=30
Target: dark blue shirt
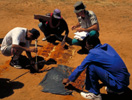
x=106, y=57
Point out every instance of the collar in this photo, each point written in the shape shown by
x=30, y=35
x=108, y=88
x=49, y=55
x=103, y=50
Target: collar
x=98, y=45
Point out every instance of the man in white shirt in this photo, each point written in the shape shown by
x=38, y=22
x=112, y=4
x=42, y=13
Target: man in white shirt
x=16, y=41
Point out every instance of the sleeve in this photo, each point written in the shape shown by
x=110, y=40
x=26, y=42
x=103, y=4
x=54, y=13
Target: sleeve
x=86, y=62
x=45, y=19
x=16, y=37
x=41, y=20
x=28, y=44
x=93, y=18
x=67, y=30
x=66, y=27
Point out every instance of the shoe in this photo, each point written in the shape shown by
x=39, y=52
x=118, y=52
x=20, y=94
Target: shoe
x=16, y=64
x=112, y=92
x=44, y=39
x=92, y=96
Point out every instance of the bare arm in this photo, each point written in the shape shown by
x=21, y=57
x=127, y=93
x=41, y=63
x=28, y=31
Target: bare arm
x=18, y=47
x=93, y=27
x=76, y=26
x=45, y=18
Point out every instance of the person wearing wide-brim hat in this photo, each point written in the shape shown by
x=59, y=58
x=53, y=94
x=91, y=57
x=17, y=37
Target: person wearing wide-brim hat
x=87, y=24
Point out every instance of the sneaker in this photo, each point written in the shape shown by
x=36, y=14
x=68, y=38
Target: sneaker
x=16, y=64
x=44, y=39
x=112, y=92
x=92, y=96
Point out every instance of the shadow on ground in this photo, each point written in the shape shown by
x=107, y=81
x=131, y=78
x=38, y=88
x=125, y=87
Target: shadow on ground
x=124, y=96
x=26, y=63
x=127, y=94
x=7, y=87
x=1, y=39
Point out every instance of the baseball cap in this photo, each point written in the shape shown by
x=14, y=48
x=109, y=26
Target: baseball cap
x=35, y=33
x=79, y=6
x=57, y=14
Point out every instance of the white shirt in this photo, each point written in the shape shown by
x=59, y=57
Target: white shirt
x=15, y=36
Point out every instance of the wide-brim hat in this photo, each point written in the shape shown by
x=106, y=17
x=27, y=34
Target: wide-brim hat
x=79, y=6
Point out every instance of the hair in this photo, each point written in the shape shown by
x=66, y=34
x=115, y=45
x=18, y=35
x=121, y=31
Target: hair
x=93, y=40
x=35, y=33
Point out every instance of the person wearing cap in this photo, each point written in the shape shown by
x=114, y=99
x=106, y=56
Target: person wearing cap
x=102, y=63
x=87, y=24
x=53, y=25
x=16, y=41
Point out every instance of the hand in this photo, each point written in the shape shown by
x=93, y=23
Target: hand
x=73, y=27
x=66, y=81
x=33, y=50
x=32, y=62
x=79, y=29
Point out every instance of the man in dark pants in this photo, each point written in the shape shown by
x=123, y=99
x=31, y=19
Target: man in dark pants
x=53, y=25
x=102, y=63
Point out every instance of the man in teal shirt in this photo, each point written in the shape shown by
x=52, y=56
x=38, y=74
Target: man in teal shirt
x=102, y=63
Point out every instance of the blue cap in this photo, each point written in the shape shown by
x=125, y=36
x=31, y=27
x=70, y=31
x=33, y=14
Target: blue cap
x=57, y=14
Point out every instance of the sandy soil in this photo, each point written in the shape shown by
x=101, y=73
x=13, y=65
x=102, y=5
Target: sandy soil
x=115, y=18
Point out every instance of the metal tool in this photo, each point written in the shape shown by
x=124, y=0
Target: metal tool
x=36, y=62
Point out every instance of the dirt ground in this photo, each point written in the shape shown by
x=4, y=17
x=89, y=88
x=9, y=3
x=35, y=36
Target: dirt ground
x=115, y=20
